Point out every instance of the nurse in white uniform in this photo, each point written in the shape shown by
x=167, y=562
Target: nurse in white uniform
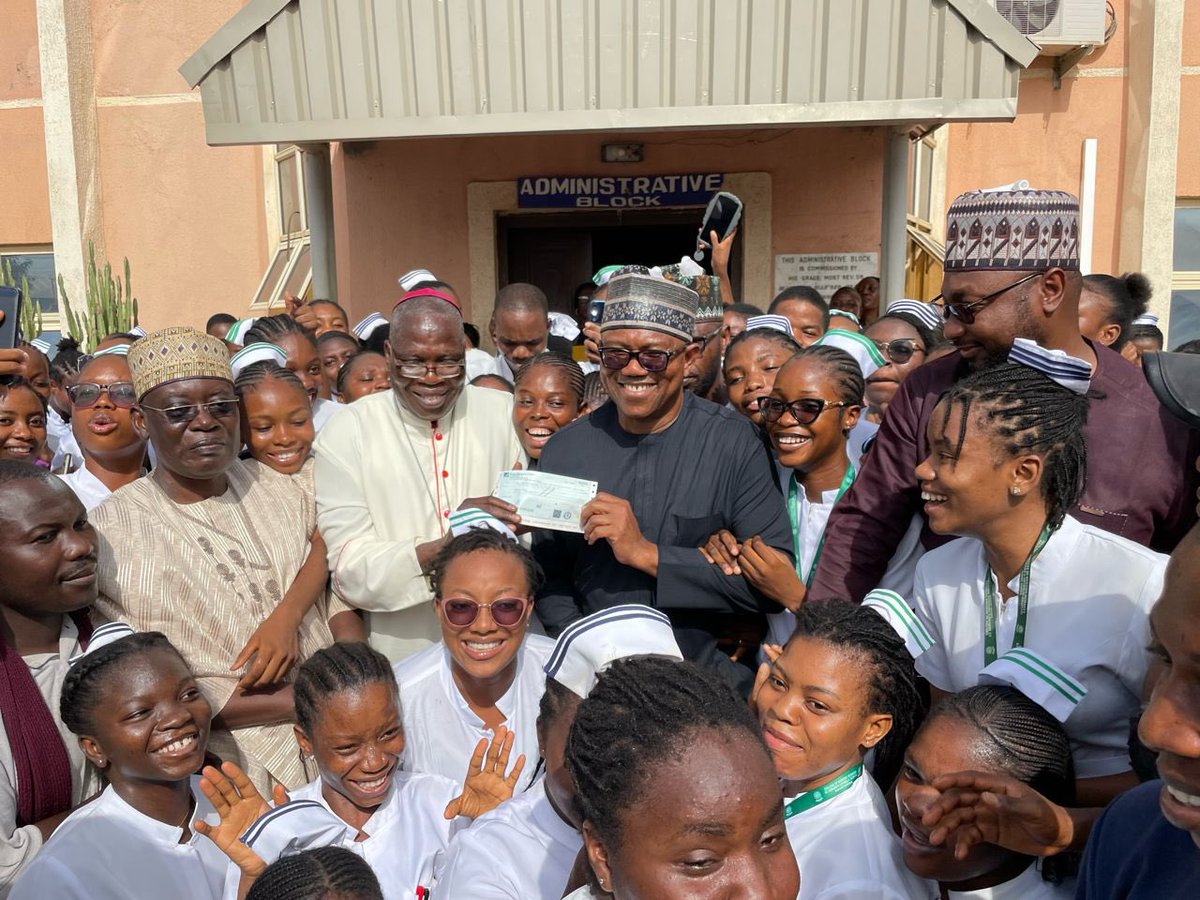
x=843, y=685
x=527, y=846
x=141, y=719
x=1005, y=464
x=487, y=670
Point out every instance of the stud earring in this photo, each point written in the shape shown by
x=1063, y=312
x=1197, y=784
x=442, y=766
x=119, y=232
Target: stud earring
x=1015, y=491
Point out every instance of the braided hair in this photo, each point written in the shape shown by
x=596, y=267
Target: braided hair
x=594, y=394
x=68, y=361
x=270, y=329
x=847, y=374
x=643, y=711
x=768, y=335
x=1126, y=298
x=343, y=666
x=552, y=360
x=1027, y=412
x=249, y=379
x=884, y=663
x=345, y=371
x=1018, y=735
x=478, y=539
x=322, y=873
x=84, y=687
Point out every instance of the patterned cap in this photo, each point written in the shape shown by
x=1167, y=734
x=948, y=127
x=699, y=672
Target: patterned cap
x=173, y=354
x=1012, y=230
x=925, y=313
x=647, y=303
x=707, y=288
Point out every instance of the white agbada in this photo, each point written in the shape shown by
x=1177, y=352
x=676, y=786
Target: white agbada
x=107, y=850
x=1029, y=885
x=521, y=849
x=846, y=849
x=441, y=730
x=388, y=481
x=1089, y=604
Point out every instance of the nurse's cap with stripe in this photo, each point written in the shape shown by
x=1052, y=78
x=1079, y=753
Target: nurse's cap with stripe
x=1060, y=367
x=900, y=616
x=257, y=352
x=771, y=322
x=589, y=646
x=411, y=279
x=114, y=350
x=1037, y=678
x=863, y=349
x=106, y=634
x=364, y=329
x=464, y=520
x=925, y=313
x=294, y=827
x=237, y=331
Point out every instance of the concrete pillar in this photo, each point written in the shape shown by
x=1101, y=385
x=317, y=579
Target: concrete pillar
x=318, y=200
x=894, y=237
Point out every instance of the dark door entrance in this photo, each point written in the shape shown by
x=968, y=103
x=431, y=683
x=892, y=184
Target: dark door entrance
x=558, y=251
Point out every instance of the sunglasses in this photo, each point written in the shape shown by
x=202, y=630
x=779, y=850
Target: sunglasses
x=86, y=394
x=181, y=415
x=899, y=351
x=651, y=360
x=506, y=612
x=965, y=312
x=805, y=411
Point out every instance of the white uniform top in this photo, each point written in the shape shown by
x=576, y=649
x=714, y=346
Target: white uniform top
x=107, y=850
x=322, y=411
x=1089, y=603
x=584, y=893
x=405, y=834
x=90, y=490
x=846, y=849
x=813, y=518
x=440, y=729
x=61, y=439
x=521, y=849
x=1029, y=885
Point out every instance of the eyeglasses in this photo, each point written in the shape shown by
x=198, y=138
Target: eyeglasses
x=180, y=415
x=703, y=340
x=899, y=351
x=965, y=312
x=461, y=612
x=420, y=370
x=804, y=411
x=616, y=358
x=86, y=394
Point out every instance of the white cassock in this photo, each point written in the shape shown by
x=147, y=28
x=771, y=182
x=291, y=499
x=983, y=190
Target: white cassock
x=441, y=730
x=1029, y=885
x=107, y=850
x=846, y=849
x=1090, y=596
x=521, y=849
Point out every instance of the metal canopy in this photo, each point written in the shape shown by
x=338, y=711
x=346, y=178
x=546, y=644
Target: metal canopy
x=283, y=71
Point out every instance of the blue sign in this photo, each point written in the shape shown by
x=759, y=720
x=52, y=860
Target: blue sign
x=616, y=192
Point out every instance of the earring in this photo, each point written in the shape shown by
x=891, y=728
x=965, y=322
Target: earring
x=1015, y=491
x=603, y=886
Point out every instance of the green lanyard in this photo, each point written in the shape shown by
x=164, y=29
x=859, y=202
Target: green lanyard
x=809, y=799
x=794, y=514
x=990, y=613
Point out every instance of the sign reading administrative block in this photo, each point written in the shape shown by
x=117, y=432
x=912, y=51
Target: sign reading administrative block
x=616, y=191
x=824, y=271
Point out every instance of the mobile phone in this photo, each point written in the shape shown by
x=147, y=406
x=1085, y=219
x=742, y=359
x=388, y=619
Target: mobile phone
x=722, y=215
x=595, y=311
x=10, y=305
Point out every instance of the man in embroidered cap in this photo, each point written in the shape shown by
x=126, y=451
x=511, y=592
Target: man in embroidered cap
x=703, y=375
x=672, y=469
x=215, y=553
x=394, y=466
x=1012, y=271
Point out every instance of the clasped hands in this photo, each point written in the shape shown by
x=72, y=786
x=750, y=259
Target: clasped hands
x=767, y=569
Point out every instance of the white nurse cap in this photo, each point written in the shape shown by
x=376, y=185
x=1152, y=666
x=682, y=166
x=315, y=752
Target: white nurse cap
x=106, y=634
x=1038, y=679
x=464, y=520
x=256, y=352
x=293, y=827
x=772, y=322
x=364, y=329
x=589, y=646
x=863, y=349
x=411, y=279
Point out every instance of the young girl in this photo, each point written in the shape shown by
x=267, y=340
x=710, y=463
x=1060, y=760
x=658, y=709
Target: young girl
x=334, y=348
x=142, y=721
x=300, y=348
x=22, y=422
x=991, y=730
x=1006, y=462
x=486, y=674
x=366, y=372
x=843, y=685
x=678, y=794
x=752, y=361
x=320, y=874
x=548, y=394
x=330, y=317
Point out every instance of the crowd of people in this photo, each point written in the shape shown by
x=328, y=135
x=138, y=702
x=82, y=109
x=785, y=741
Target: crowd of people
x=872, y=597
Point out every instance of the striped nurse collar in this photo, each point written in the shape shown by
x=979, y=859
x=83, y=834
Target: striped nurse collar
x=897, y=613
x=588, y=647
x=293, y=827
x=1046, y=684
x=1060, y=367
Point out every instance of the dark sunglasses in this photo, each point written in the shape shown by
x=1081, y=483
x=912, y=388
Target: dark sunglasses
x=805, y=411
x=180, y=415
x=461, y=612
x=86, y=394
x=965, y=312
x=650, y=360
x=899, y=351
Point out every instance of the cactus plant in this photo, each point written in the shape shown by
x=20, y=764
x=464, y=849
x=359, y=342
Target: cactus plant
x=110, y=304
x=31, y=309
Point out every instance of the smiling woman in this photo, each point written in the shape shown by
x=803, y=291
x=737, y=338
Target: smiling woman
x=22, y=422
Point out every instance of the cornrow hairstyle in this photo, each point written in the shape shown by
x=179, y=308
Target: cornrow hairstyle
x=1028, y=413
x=555, y=701
x=550, y=359
x=804, y=294
x=346, y=370
x=768, y=335
x=20, y=382
x=1023, y=740
x=68, y=361
x=843, y=368
x=322, y=873
x=1126, y=297
x=594, y=394
x=270, y=329
x=255, y=374
x=930, y=337
x=84, y=687
x=478, y=539
x=343, y=666
x=643, y=711
x=331, y=336
x=884, y=663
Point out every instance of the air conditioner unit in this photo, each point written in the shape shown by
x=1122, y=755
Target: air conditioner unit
x=1056, y=26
